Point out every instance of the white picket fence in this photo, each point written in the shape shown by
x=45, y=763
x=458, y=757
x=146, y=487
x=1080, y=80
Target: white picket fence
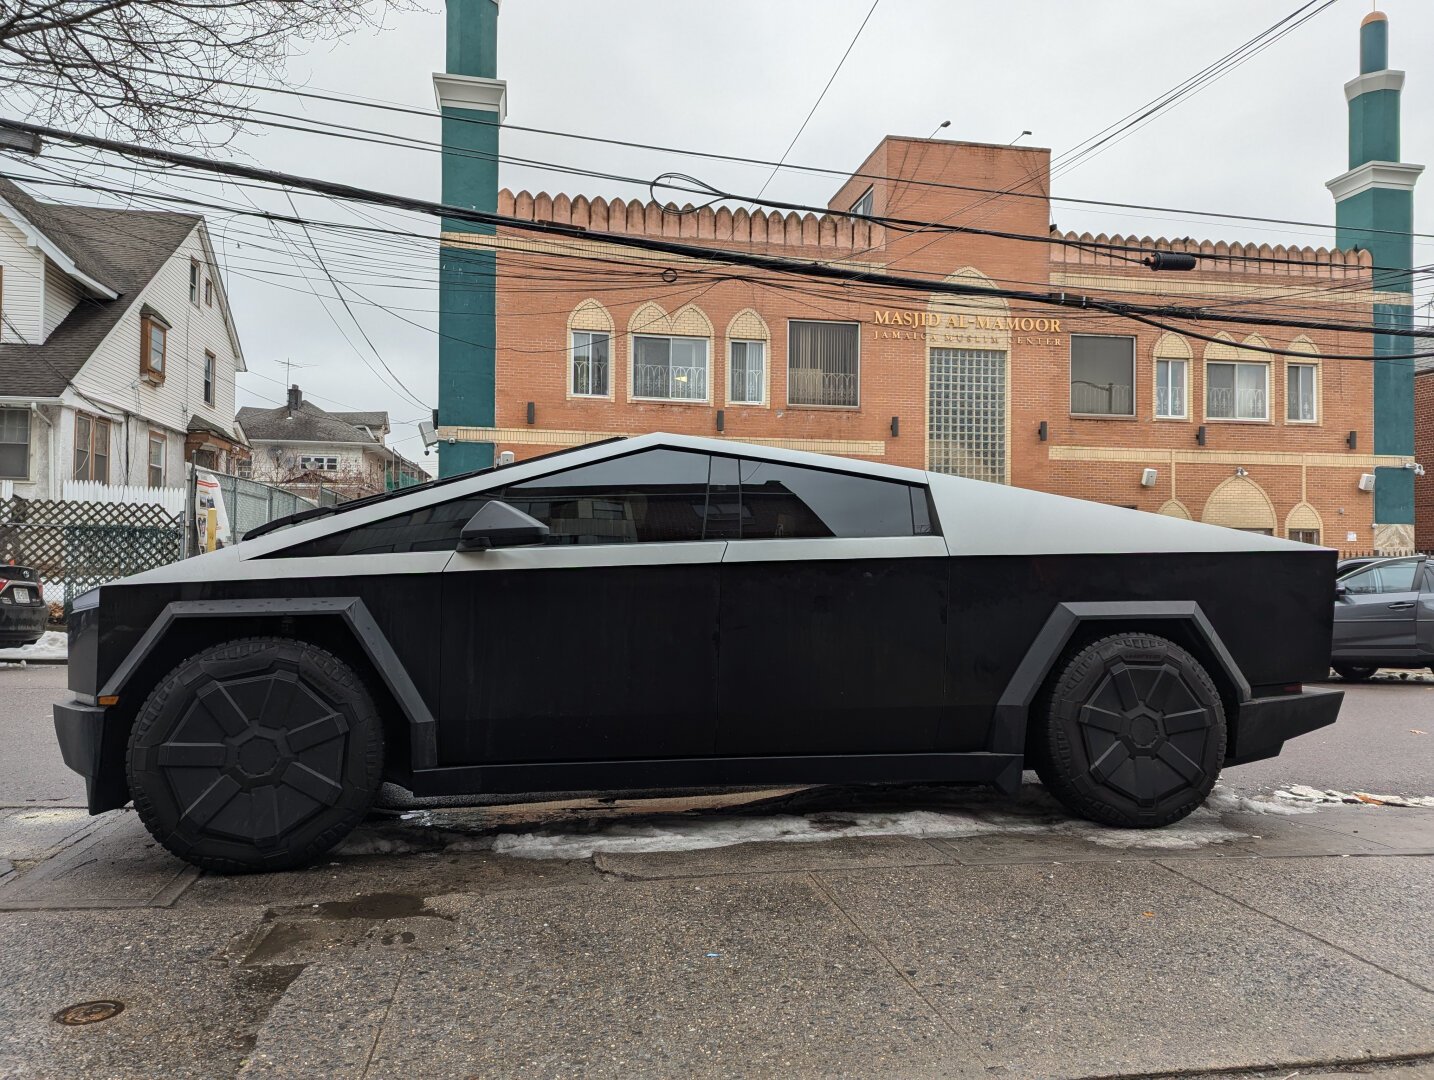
x=7, y=490
x=171, y=498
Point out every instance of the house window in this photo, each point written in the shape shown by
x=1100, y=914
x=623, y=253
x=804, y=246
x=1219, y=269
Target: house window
x=92, y=448
x=208, y=292
x=1102, y=375
x=14, y=444
x=194, y=282
x=748, y=373
x=591, y=354
x=157, y=444
x=319, y=463
x=1305, y=536
x=823, y=364
x=1300, y=401
x=1237, y=391
x=669, y=368
x=244, y=468
x=1170, y=389
x=153, y=346
x=209, y=364
x=863, y=205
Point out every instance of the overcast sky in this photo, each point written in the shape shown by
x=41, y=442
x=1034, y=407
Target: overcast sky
x=738, y=78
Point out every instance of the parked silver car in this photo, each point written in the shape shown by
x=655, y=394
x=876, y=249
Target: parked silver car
x=1384, y=617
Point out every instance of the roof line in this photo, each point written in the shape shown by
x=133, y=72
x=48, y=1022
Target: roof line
x=53, y=251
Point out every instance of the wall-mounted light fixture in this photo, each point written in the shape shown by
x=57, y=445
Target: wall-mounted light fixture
x=721, y=419
x=1352, y=440
x=1043, y=432
x=532, y=412
x=1241, y=471
x=1200, y=435
x=895, y=426
x=1366, y=481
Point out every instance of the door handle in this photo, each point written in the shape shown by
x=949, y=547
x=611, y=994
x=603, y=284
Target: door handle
x=1401, y=605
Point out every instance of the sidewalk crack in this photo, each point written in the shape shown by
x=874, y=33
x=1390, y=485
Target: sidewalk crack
x=383, y=1021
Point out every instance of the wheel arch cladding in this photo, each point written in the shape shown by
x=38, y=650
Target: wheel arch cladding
x=343, y=625
x=1071, y=625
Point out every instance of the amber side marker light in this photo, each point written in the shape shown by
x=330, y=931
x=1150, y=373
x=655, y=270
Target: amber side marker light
x=109, y=699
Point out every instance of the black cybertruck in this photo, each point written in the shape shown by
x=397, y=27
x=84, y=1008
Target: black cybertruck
x=667, y=611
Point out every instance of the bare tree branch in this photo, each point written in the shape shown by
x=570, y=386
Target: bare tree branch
x=137, y=69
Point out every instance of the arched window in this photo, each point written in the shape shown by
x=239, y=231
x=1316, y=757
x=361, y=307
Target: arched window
x=748, y=344
x=1172, y=378
x=1302, y=383
x=590, y=351
x=671, y=355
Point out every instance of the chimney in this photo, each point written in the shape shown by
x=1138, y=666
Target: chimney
x=295, y=399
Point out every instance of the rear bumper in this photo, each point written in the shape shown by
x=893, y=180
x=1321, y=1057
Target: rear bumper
x=1262, y=725
x=21, y=624
x=94, y=744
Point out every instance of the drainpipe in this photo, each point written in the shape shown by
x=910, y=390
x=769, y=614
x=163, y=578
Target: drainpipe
x=54, y=465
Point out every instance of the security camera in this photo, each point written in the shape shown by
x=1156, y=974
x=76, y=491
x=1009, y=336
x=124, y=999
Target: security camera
x=452, y=441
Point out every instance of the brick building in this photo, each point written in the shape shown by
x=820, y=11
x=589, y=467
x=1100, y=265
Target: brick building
x=592, y=339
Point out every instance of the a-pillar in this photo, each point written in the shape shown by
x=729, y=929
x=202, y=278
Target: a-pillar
x=1374, y=210
x=474, y=102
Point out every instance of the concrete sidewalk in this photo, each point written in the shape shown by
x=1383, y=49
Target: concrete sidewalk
x=1307, y=944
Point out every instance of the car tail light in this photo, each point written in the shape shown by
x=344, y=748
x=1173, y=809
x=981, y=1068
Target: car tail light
x=1293, y=688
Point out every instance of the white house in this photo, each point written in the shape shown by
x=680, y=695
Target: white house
x=117, y=349
x=302, y=448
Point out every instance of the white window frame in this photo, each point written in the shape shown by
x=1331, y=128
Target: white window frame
x=1070, y=381
x=211, y=378
x=29, y=434
x=747, y=343
x=1237, y=364
x=855, y=405
x=307, y=462
x=1314, y=367
x=161, y=440
x=1184, y=414
x=866, y=203
x=705, y=399
x=573, y=392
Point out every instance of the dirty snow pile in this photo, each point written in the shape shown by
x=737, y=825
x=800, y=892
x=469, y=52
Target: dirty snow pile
x=1301, y=793
x=53, y=645
x=1034, y=813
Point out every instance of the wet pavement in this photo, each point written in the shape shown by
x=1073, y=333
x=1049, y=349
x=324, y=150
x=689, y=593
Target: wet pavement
x=900, y=932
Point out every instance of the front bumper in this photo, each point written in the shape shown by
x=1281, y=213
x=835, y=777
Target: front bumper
x=93, y=743
x=1261, y=725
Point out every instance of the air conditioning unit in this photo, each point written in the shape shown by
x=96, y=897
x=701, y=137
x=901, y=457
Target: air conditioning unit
x=1147, y=477
x=1366, y=481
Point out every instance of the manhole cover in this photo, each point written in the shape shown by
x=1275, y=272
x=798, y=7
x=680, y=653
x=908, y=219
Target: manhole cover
x=89, y=1012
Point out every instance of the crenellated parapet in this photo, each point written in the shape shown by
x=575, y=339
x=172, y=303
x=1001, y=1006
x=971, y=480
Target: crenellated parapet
x=824, y=232
x=1215, y=256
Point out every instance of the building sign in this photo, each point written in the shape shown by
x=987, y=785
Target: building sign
x=936, y=328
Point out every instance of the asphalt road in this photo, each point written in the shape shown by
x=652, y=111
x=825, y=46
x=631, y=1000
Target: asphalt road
x=1375, y=746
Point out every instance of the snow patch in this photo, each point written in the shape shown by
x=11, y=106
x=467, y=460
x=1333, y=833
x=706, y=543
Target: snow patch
x=53, y=645
x=1302, y=793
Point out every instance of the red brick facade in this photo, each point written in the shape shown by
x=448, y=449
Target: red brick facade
x=1269, y=473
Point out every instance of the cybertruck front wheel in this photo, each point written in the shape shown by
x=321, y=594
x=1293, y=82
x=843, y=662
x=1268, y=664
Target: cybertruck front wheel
x=257, y=754
x=1131, y=732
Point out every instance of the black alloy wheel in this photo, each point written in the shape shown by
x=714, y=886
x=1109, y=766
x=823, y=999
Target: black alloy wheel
x=1132, y=732
x=257, y=754
x=1354, y=672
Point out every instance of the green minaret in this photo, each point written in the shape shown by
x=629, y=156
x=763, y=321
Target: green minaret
x=1374, y=209
x=474, y=102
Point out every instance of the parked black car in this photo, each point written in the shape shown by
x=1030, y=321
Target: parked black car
x=23, y=611
x=669, y=611
x=1384, y=617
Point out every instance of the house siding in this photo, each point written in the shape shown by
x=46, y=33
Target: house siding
x=23, y=286
x=61, y=296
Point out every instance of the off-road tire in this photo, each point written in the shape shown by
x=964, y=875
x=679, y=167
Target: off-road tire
x=255, y=754
x=1354, y=672
x=1130, y=732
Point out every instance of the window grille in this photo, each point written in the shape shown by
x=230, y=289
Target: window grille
x=747, y=373
x=823, y=364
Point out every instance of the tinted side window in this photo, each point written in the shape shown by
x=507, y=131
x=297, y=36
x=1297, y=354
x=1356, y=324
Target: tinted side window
x=789, y=501
x=655, y=496
x=431, y=528
x=1397, y=577
x=1361, y=583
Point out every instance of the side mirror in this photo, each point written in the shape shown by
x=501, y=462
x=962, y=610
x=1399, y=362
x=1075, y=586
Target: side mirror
x=1341, y=590
x=496, y=524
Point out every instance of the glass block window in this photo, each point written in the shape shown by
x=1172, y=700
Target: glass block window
x=1237, y=391
x=967, y=413
x=1300, y=394
x=748, y=370
x=1170, y=389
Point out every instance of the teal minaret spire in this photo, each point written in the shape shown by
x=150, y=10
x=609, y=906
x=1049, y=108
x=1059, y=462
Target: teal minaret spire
x=474, y=102
x=1374, y=210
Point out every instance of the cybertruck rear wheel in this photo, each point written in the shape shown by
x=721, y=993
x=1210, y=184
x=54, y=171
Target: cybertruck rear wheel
x=1132, y=732
x=257, y=754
